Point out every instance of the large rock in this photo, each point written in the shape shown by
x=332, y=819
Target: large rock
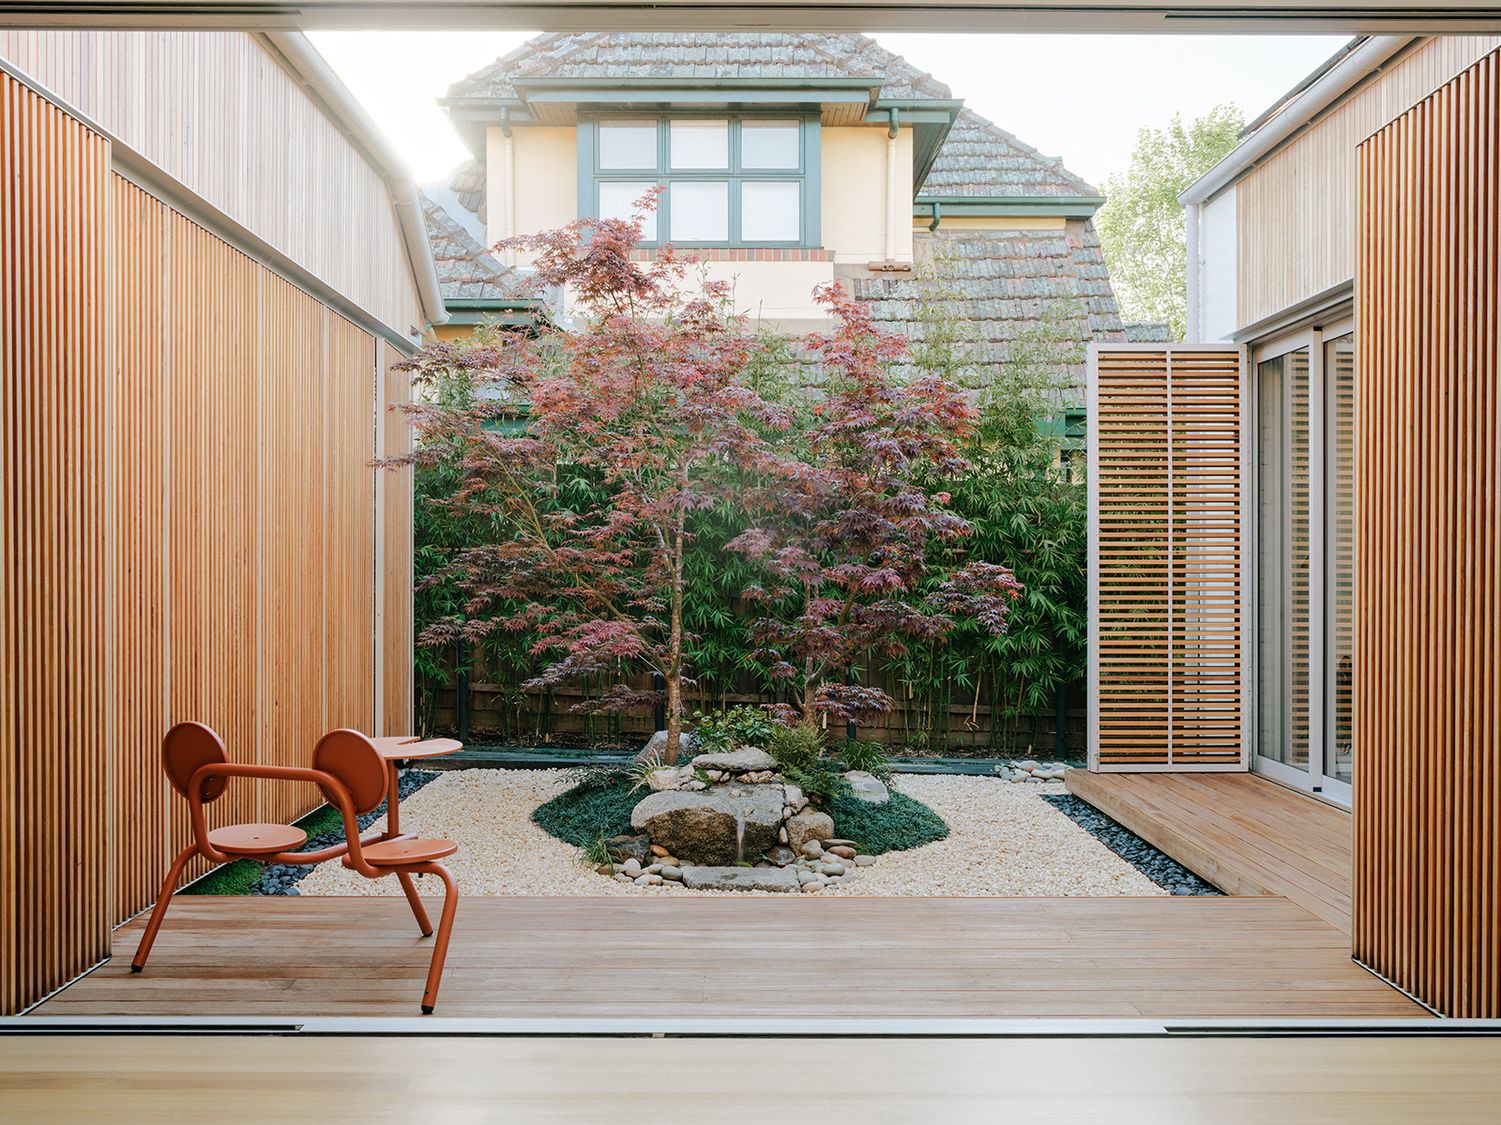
x=781, y=879
x=655, y=749
x=715, y=826
x=622, y=848
x=808, y=825
x=745, y=760
x=867, y=787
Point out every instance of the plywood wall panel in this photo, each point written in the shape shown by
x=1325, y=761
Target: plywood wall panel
x=1297, y=209
x=1427, y=674
x=56, y=422
x=1167, y=684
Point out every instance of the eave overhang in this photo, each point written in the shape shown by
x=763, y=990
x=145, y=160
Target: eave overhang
x=937, y=207
x=840, y=101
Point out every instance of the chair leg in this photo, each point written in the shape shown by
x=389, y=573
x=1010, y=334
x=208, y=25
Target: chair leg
x=445, y=930
x=418, y=910
x=159, y=912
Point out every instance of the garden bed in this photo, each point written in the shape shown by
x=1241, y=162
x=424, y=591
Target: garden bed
x=1003, y=839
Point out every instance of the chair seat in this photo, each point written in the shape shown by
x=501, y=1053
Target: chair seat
x=398, y=853
x=257, y=839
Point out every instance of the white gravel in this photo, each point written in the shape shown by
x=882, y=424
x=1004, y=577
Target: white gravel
x=1003, y=840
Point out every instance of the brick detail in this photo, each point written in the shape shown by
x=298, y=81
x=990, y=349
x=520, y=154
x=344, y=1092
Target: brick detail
x=733, y=254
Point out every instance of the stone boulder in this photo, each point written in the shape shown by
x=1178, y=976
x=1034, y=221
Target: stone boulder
x=716, y=826
x=808, y=825
x=867, y=787
x=655, y=749
x=622, y=848
x=745, y=760
x=780, y=879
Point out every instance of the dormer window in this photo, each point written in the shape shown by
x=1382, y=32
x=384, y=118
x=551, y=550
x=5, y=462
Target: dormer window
x=731, y=180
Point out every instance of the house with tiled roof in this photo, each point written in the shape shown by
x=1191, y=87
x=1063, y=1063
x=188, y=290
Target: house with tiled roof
x=790, y=160
x=476, y=287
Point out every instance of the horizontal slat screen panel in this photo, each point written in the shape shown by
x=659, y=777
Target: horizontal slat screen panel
x=1166, y=676
x=1427, y=675
x=55, y=573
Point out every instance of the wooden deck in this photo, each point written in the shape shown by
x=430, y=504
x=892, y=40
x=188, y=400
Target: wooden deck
x=879, y=958
x=1245, y=834
x=1185, y=1081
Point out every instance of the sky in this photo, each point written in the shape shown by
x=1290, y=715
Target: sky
x=1081, y=97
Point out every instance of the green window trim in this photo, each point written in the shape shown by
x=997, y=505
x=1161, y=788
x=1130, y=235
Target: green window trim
x=808, y=175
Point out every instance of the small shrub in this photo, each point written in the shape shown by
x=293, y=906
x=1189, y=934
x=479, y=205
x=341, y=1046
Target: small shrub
x=718, y=731
x=796, y=747
x=819, y=783
x=638, y=772
x=594, y=809
x=595, y=854
x=868, y=756
x=899, y=824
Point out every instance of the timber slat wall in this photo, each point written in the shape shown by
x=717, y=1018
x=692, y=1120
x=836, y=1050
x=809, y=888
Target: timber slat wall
x=55, y=518
x=1427, y=677
x=217, y=112
x=187, y=530
x=1297, y=209
x=1166, y=471
x=247, y=526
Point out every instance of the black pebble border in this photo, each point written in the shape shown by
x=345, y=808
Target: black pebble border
x=282, y=878
x=1166, y=872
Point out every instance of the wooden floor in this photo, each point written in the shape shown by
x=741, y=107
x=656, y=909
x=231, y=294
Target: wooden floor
x=1245, y=834
x=1195, y=1081
x=896, y=958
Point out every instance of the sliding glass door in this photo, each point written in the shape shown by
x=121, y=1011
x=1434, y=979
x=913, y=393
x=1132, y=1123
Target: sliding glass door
x=1304, y=405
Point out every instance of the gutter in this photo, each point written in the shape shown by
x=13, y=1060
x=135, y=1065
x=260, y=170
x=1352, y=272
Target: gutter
x=1355, y=67
x=316, y=77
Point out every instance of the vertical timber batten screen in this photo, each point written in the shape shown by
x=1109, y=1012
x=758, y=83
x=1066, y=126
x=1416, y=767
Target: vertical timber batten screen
x=1167, y=532
x=1427, y=673
x=188, y=529
x=55, y=519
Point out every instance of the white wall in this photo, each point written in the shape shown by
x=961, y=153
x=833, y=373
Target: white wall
x=1217, y=269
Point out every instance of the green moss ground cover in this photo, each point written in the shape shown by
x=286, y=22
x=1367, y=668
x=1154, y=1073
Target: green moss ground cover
x=241, y=876
x=590, y=810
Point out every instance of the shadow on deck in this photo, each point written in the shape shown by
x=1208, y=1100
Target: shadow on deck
x=744, y=957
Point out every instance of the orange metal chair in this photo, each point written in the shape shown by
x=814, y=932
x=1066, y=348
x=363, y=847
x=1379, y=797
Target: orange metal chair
x=352, y=777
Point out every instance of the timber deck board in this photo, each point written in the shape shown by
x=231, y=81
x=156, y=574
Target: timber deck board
x=762, y=956
x=1245, y=834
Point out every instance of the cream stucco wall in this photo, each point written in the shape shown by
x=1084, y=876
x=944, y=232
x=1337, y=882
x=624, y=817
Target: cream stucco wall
x=855, y=200
x=545, y=168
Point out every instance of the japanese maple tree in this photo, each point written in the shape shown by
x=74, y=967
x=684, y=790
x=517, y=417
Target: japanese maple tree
x=852, y=552
x=587, y=448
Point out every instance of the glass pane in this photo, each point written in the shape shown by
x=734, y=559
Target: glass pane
x=771, y=212
x=700, y=144
x=617, y=200
x=628, y=144
x=770, y=144
x=1283, y=558
x=700, y=211
x=1339, y=376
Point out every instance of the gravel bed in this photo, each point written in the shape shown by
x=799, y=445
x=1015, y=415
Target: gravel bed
x=1005, y=839
x=283, y=878
x=1167, y=873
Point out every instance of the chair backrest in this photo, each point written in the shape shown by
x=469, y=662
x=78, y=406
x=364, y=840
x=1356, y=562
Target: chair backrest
x=352, y=758
x=185, y=748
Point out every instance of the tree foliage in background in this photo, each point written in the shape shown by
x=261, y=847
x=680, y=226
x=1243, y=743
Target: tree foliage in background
x=644, y=398
x=1023, y=496
x=861, y=553
x=1141, y=226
